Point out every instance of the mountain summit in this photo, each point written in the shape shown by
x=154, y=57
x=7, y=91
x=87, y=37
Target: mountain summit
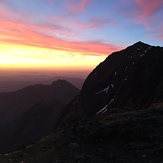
x=130, y=79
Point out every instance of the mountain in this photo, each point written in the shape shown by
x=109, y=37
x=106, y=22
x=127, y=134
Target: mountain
x=32, y=112
x=131, y=79
x=9, y=83
x=77, y=82
x=15, y=103
x=117, y=117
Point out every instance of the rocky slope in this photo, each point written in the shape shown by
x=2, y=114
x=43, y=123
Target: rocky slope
x=130, y=79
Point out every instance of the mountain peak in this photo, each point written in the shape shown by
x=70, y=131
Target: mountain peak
x=129, y=79
x=140, y=43
x=59, y=81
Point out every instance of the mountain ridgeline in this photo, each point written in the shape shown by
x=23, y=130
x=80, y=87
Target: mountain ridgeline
x=32, y=112
x=130, y=79
x=15, y=103
x=116, y=117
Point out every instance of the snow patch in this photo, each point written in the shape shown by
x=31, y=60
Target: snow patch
x=145, y=51
x=106, y=90
x=112, y=85
x=111, y=101
x=104, y=109
x=141, y=55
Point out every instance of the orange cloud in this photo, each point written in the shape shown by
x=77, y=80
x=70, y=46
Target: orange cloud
x=53, y=36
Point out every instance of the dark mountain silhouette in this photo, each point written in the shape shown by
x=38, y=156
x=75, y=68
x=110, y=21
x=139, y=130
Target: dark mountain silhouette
x=117, y=117
x=77, y=82
x=130, y=79
x=29, y=114
x=31, y=126
x=15, y=103
x=17, y=82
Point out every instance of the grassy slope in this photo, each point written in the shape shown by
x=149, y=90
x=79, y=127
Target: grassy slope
x=132, y=136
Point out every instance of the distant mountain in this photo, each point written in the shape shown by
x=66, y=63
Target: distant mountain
x=32, y=112
x=16, y=82
x=15, y=103
x=77, y=82
x=117, y=116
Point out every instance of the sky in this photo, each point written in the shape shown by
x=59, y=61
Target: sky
x=73, y=35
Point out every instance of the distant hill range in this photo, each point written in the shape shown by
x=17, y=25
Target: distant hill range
x=117, y=116
x=11, y=82
x=32, y=112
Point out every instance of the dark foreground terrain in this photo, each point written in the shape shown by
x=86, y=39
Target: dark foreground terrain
x=29, y=114
x=132, y=136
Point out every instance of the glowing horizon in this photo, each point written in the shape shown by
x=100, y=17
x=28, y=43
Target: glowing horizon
x=30, y=57
x=73, y=34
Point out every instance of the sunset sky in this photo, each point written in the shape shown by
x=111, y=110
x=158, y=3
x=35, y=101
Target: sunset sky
x=74, y=35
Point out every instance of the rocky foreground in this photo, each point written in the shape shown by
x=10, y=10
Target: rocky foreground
x=132, y=136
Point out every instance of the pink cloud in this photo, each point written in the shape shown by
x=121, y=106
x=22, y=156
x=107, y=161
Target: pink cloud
x=5, y=14
x=142, y=11
x=95, y=23
x=15, y=30
x=77, y=7
x=50, y=1
x=148, y=8
x=25, y=34
x=11, y=20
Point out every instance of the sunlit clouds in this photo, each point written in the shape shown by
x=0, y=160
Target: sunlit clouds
x=77, y=6
x=73, y=34
x=148, y=8
x=42, y=58
x=146, y=15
